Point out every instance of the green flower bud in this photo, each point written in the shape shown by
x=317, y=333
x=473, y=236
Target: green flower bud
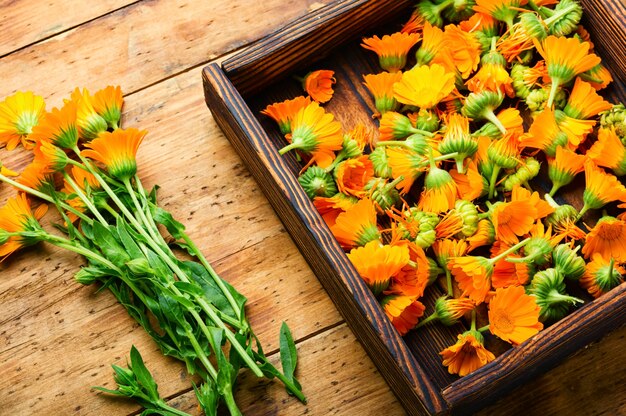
x=479, y=106
x=548, y=286
x=427, y=120
x=385, y=195
x=139, y=266
x=567, y=262
x=469, y=214
x=562, y=214
x=533, y=26
x=608, y=276
x=525, y=173
x=450, y=311
x=378, y=157
x=317, y=182
x=460, y=10
x=520, y=87
x=567, y=15
x=615, y=118
x=537, y=99
x=85, y=277
x=538, y=250
x=432, y=12
x=350, y=148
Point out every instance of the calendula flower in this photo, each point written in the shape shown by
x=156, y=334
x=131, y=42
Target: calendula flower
x=563, y=168
x=315, y=132
x=503, y=10
x=317, y=182
x=378, y=156
x=467, y=355
x=357, y=226
x=480, y=22
x=484, y=235
x=457, y=139
x=513, y=219
x=424, y=86
x=431, y=11
x=416, y=225
x=538, y=250
x=425, y=120
x=117, y=151
x=599, y=77
x=445, y=249
x=415, y=23
x=449, y=311
x=403, y=311
x=510, y=119
x=609, y=151
x=563, y=221
x=330, y=208
x=514, y=315
x=406, y=164
x=527, y=170
x=319, y=85
x=519, y=193
x=584, y=102
x=383, y=193
x=58, y=127
x=503, y=153
x=567, y=262
x=607, y=238
x=432, y=43
x=19, y=113
x=600, y=188
x=50, y=155
x=518, y=39
x=37, y=175
x=381, y=87
x=377, y=263
x=545, y=134
x=284, y=112
x=353, y=174
x=481, y=105
x=602, y=275
x=462, y=49
x=450, y=225
x=108, y=103
x=526, y=78
x=548, y=288
x=471, y=184
x=392, y=49
x=90, y=123
x=565, y=58
x=576, y=130
x=395, y=126
x=413, y=278
x=615, y=119
x=492, y=76
x=506, y=273
x=17, y=217
x=440, y=192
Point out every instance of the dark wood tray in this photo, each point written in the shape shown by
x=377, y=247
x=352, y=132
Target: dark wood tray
x=260, y=75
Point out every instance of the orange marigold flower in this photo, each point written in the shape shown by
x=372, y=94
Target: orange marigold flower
x=484, y=235
x=330, y=208
x=58, y=127
x=563, y=168
x=17, y=217
x=514, y=315
x=377, y=263
x=90, y=123
x=415, y=24
x=507, y=274
x=392, y=49
x=607, y=238
x=319, y=85
x=108, y=103
x=519, y=193
x=565, y=58
x=471, y=184
x=600, y=188
x=50, y=155
x=353, y=174
x=473, y=274
x=513, y=219
x=584, y=102
x=432, y=44
x=479, y=22
x=609, y=151
x=412, y=279
x=504, y=10
x=424, y=86
x=117, y=151
x=356, y=226
x=284, y=112
x=576, y=130
x=407, y=164
x=315, y=132
x=462, y=48
x=440, y=192
x=545, y=134
x=492, y=77
x=19, y=113
x=403, y=311
x=37, y=175
x=446, y=249
x=599, y=77
x=381, y=87
x=467, y=355
x=601, y=275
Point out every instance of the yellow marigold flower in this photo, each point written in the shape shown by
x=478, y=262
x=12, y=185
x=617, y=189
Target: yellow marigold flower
x=563, y=168
x=330, y=208
x=432, y=44
x=37, y=175
x=514, y=315
x=601, y=275
x=545, y=134
x=503, y=10
x=51, y=155
x=357, y=226
x=377, y=263
x=108, y=103
x=407, y=164
x=392, y=49
x=462, y=49
x=576, y=130
x=17, y=217
x=450, y=311
x=609, y=151
x=467, y=355
x=89, y=122
x=484, y=236
x=584, y=102
x=403, y=311
x=19, y=113
x=413, y=278
x=424, y=86
x=471, y=184
x=315, y=132
x=117, y=151
x=600, y=188
x=58, y=127
x=599, y=77
x=565, y=58
x=353, y=174
x=513, y=219
x=440, y=192
x=445, y=249
x=319, y=85
x=607, y=238
x=381, y=87
x=284, y=112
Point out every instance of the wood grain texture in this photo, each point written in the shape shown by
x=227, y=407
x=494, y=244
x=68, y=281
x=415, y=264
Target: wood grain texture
x=127, y=47
x=25, y=22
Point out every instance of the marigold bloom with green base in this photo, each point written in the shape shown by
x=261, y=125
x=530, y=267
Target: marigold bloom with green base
x=563, y=168
x=467, y=355
x=405, y=164
x=353, y=174
x=548, y=288
x=424, y=86
x=330, y=208
x=37, y=175
x=440, y=192
x=392, y=49
x=607, y=238
x=377, y=263
x=484, y=235
x=284, y=112
x=602, y=275
x=319, y=85
x=17, y=217
x=58, y=127
x=567, y=262
x=584, y=102
x=457, y=139
x=403, y=311
x=90, y=123
x=545, y=134
x=315, y=132
x=117, y=151
x=600, y=188
x=108, y=103
x=461, y=49
x=503, y=10
x=471, y=184
x=413, y=278
x=381, y=87
x=513, y=315
x=513, y=219
x=609, y=152
x=19, y=113
x=432, y=43
x=317, y=182
x=357, y=226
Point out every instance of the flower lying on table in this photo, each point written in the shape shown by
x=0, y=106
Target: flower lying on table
x=110, y=219
x=447, y=185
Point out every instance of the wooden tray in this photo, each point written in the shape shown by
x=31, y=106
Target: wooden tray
x=260, y=75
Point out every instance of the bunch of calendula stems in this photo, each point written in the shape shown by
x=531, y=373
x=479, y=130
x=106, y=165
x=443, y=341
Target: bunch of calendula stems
x=111, y=220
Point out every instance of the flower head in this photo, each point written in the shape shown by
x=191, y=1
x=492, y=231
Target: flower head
x=403, y=311
x=514, y=315
x=392, y=49
x=440, y=192
x=330, y=208
x=473, y=274
x=377, y=263
x=471, y=184
x=467, y=355
x=513, y=219
x=607, y=238
x=602, y=275
x=108, y=103
x=545, y=134
x=492, y=76
x=449, y=311
x=424, y=86
x=484, y=235
x=600, y=188
x=548, y=288
x=319, y=85
x=609, y=151
x=457, y=138
x=381, y=87
x=284, y=112
x=504, y=10
x=90, y=123
x=584, y=102
x=353, y=174
x=19, y=113
x=412, y=279
x=117, y=151
x=407, y=164
x=317, y=182
x=563, y=168
x=431, y=44
x=17, y=217
x=37, y=175
x=356, y=226
x=58, y=127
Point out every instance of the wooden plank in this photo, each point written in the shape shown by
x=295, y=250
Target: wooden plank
x=337, y=378
x=127, y=47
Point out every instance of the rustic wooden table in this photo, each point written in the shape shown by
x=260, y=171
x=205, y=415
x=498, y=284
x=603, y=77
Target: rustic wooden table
x=58, y=338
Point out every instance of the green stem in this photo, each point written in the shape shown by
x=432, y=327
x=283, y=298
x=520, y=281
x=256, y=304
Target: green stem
x=140, y=211
x=289, y=147
x=508, y=251
x=473, y=326
x=291, y=387
x=430, y=318
x=422, y=132
x=460, y=166
x=492, y=181
x=491, y=116
x=553, y=90
x=449, y=283
x=557, y=15
x=200, y=352
x=582, y=212
x=483, y=328
x=171, y=409
x=556, y=297
x=110, y=210
x=555, y=187
x=230, y=403
x=84, y=198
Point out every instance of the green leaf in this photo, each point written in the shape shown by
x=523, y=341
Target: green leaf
x=171, y=309
x=127, y=241
x=288, y=353
x=87, y=230
x=144, y=377
x=208, y=397
x=189, y=288
x=107, y=243
x=161, y=216
x=161, y=270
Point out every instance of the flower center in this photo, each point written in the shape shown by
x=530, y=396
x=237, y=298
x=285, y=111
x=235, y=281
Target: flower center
x=502, y=321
